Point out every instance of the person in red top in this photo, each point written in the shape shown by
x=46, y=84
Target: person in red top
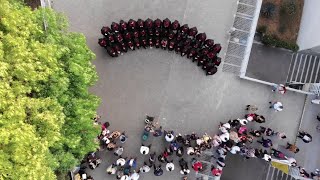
x=196, y=165
x=216, y=171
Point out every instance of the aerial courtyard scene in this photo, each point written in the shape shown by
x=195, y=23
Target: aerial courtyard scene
x=159, y=89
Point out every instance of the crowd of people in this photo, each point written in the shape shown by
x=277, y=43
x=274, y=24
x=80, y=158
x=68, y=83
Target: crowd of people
x=234, y=137
x=172, y=36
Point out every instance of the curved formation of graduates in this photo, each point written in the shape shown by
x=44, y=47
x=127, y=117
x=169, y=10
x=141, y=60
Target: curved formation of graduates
x=131, y=35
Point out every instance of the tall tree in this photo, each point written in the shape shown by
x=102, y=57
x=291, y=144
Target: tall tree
x=45, y=108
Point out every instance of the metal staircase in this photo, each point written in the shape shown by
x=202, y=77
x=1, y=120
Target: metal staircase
x=275, y=174
x=304, y=72
x=304, y=68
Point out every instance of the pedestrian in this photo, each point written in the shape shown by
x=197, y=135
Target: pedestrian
x=180, y=151
x=267, y=131
x=234, y=123
x=221, y=162
x=118, y=151
x=158, y=132
x=162, y=158
x=184, y=167
x=121, y=161
x=315, y=174
x=112, y=169
x=292, y=147
x=306, y=137
x=134, y=175
x=224, y=128
x=303, y=173
x=315, y=101
x=132, y=162
x=119, y=173
x=174, y=145
x=242, y=130
x=243, y=122
x=196, y=165
x=145, y=149
x=250, y=117
x=169, y=136
x=279, y=88
x=255, y=133
x=157, y=170
x=152, y=158
x=277, y=154
x=259, y=118
x=179, y=138
x=217, y=141
x=190, y=151
x=281, y=135
x=234, y=137
x=266, y=157
x=259, y=153
x=216, y=171
x=266, y=142
x=292, y=162
x=125, y=177
x=251, y=108
x=250, y=153
x=123, y=138
x=224, y=137
x=145, y=168
x=277, y=106
x=235, y=149
x=170, y=165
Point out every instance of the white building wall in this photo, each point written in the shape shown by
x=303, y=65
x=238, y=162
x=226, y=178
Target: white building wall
x=309, y=33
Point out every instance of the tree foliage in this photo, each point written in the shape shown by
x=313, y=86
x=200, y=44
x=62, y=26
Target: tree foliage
x=45, y=106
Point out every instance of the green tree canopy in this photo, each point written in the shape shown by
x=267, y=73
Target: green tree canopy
x=45, y=108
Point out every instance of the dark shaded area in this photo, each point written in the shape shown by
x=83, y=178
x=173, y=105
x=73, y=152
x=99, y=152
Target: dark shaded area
x=239, y=168
x=269, y=64
x=33, y=3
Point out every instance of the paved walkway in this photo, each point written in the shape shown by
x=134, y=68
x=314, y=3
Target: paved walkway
x=309, y=155
x=168, y=86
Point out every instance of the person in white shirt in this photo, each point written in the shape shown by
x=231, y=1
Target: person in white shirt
x=276, y=106
x=169, y=136
x=134, y=175
x=234, y=149
x=125, y=177
x=118, y=151
x=112, y=169
x=190, y=150
x=121, y=161
x=170, y=166
x=267, y=157
x=224, y=137
x=145, y=149
x=145, y=168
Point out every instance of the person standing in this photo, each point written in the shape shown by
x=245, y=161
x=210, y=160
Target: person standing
x=145, y=168
x=196, y=165
x=169, y=165
x=277, y=106
x=306, y=137
x=292, y=147
x=279, y=88
x=252, y=108
x=157, y=170
x=145, y=149
x=266, y=142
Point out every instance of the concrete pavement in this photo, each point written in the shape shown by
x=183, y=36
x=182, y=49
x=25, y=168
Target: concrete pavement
x=166, y=85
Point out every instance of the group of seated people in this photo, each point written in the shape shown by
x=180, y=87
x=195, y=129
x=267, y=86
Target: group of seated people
x=162, y=34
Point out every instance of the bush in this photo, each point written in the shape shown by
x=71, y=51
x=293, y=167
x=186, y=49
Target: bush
x=268, y=10
x=271, y=40
x=262, y=29
x=288, y=9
